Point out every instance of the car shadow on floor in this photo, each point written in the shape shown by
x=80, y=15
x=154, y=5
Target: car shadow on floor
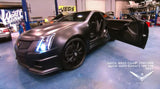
x=4, y=40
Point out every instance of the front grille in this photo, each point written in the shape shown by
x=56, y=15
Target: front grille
x=23, y=44
x=21, y=60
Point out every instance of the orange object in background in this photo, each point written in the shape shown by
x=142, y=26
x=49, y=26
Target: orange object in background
x=149, y=24
x=51, y=22
x=105, y=16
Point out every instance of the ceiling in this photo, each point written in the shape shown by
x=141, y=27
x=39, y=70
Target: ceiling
x=10, y=5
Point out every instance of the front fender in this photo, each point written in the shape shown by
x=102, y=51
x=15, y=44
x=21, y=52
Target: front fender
x=64, y=36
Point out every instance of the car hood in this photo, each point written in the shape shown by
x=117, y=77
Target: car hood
x=49, y=29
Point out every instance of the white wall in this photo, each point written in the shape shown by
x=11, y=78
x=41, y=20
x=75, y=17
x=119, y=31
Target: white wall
x=120, y=6
x=41, y=8
x=110, y=5
x=45, y=8
x=81, y=5
x=95, y=5
x=66, y=2
x=102, y=5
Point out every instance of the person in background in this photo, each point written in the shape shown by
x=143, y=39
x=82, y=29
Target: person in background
x=22, y=27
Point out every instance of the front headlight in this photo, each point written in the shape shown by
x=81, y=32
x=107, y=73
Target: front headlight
x=45, y=43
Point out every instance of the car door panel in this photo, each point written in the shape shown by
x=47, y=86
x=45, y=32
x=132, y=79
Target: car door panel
x=96, y=24
x=134, y=32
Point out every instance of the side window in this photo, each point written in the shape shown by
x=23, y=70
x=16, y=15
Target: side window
x=93, y=19
x=99, y=17
x=96, y=22
x=96, y=17
x=100, y=22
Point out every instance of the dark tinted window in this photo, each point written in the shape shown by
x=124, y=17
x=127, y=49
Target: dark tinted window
x=1, y=25
x=80, y=16
x=96, y=17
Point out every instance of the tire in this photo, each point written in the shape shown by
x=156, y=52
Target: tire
x=74, y=54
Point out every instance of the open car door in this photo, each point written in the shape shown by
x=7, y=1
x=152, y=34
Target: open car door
x=131, y=30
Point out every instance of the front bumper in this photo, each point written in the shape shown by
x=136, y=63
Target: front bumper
x=39, y=63
x=38, y=71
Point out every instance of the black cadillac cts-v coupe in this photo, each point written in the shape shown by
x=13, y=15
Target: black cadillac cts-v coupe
x=65, y=43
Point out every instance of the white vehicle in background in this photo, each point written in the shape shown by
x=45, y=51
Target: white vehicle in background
x=5, y=32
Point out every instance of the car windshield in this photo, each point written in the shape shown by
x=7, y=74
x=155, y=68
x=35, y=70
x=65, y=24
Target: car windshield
x=80, y=16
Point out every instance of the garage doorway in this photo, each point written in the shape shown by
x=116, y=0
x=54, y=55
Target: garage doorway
x=95, y=5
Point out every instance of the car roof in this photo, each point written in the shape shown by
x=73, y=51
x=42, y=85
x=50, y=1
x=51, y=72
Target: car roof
x=90, y=11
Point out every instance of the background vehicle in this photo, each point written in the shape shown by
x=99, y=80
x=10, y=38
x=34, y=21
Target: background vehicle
x=65, y=43
x=5, y=32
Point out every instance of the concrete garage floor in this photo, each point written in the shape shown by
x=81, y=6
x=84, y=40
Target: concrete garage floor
x=97, y=72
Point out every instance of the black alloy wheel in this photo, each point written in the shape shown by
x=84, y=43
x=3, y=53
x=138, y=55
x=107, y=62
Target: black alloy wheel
x=74, y=54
